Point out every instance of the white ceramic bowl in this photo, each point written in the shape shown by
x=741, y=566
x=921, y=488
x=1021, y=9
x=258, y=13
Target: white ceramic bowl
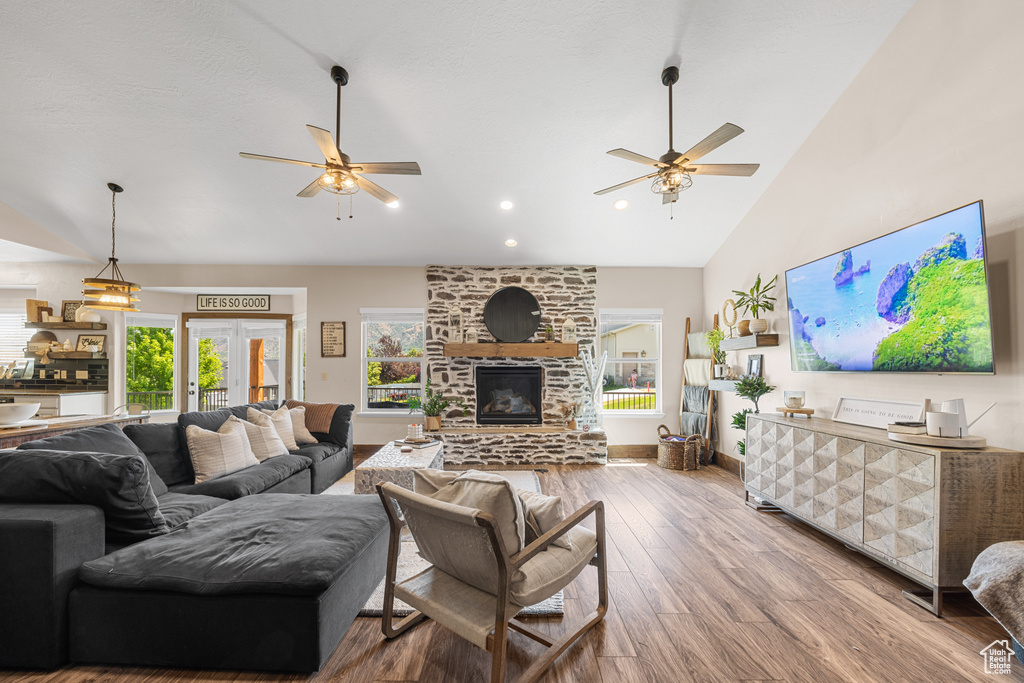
x=12, y=413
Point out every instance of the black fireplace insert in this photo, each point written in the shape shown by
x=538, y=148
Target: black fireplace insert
x=508, y=394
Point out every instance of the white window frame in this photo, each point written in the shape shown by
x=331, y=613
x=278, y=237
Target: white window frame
x=377, y=315
x=638, y=316
x=299, y=341
x=165, y=320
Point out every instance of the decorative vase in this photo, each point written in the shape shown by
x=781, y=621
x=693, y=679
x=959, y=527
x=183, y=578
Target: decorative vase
x=758, y=325
x=744, y=328
x=433, y=423
x=720, y=370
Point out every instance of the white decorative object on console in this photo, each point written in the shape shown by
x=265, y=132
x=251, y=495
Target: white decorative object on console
x=879, y=413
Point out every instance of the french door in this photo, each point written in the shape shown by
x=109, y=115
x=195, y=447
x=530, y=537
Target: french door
x=232, y=361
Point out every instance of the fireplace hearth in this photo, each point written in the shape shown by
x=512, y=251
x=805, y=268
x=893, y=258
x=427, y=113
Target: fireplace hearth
x=507, y=394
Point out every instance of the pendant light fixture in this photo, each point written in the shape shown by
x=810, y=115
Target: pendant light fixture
x=113, y=293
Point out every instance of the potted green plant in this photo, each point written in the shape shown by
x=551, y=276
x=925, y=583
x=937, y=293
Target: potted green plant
x=714, y=339
x=752, y=389
x=756, y=300
x=433, y=403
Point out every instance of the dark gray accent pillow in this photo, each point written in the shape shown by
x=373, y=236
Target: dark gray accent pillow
x=106, y=438
x=119, y=484
x=161, y=442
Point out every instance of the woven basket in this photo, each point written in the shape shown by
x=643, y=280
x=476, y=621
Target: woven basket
x=678, y=455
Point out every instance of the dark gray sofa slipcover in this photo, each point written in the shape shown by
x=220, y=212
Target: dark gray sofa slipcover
x=267, y=582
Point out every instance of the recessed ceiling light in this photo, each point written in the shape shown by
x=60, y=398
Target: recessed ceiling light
x=507, y=205
x=510, y=242
x=621, y=204
x=394, y=204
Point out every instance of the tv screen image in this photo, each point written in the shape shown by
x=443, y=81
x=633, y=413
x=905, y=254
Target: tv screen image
x=915, y=300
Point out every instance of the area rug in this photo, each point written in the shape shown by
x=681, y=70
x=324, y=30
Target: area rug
x=410, y=563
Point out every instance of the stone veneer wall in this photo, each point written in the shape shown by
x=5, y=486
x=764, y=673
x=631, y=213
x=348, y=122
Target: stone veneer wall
x=561, y=291
x=470, y=448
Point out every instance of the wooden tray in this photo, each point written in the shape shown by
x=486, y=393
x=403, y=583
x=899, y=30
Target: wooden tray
x=973, y=442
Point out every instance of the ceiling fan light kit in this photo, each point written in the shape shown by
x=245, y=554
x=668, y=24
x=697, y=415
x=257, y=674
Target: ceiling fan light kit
x=674, y=169
x=112, y=293
x=340, y=175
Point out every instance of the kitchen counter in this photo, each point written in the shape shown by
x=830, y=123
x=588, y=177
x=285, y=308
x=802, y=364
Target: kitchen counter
x=56, y=403
x=12, y=436
x=46, y=392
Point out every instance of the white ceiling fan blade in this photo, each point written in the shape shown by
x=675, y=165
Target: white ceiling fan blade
x=261, y=157
x=722, y=169
x=310, y=189
x=669, y=198
x=721, y=136
x=390, y=168
x=326, y=144
x=639, y=158
x=376, y=190
x=625, y=184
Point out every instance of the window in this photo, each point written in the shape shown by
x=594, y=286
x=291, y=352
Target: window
x=392, y=350
x=632, y=377
x=150, y=360
x=13, y=336
x=299, y=371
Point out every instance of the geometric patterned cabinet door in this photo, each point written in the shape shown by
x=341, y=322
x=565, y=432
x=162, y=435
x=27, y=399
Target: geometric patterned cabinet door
x=883, y=498
x=899, y=505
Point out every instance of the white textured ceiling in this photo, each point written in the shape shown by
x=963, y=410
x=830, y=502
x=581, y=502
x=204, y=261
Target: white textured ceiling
x=496, y=100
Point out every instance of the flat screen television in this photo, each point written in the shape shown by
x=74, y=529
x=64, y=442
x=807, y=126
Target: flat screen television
x=915, y=300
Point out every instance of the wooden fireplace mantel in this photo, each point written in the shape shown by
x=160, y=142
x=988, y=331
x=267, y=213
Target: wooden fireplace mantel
x=512, y=350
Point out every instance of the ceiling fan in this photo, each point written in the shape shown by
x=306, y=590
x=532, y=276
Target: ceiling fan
x=675, y=169
x=341, y=176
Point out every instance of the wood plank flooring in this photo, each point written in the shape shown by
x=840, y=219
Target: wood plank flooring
x=702, y=588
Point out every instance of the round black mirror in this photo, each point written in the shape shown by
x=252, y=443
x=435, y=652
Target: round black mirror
x=512, y=314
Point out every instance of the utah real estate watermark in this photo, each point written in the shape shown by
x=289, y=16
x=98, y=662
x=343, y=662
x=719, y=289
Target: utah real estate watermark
x=997, y=657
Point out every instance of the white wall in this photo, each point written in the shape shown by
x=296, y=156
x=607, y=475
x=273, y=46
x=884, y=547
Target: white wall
x=336, y=293
x=931, y=123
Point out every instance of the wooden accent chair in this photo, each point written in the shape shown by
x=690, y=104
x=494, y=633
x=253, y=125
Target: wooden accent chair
x=481, y=588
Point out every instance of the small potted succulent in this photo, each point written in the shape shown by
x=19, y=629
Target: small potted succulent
x=714, y=338
x=755, y=301
x=432, y=404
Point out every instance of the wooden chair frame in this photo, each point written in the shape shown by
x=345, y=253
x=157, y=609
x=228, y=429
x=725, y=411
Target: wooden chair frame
x=497, y=642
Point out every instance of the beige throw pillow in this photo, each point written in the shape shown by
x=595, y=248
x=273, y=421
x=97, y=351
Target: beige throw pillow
x=302, y=434
x=263, y=439
x=215, y=454
x=281, y=421
x=543, y=513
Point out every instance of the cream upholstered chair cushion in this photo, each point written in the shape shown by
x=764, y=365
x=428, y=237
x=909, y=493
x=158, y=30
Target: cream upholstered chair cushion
x=215, y=454
x=427, y=481
x=550, y=570
x=494, y=495
x=279, y=419
x=263, y=439
x=299, y=429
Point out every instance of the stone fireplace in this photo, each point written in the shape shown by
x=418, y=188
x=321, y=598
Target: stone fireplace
x=502, y=434
x=508, y=395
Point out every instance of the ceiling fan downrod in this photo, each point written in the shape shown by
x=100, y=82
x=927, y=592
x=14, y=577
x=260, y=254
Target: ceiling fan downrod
x=339, y=76
x=668, y=77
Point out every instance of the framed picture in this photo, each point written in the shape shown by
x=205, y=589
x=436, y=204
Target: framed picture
x=754, y=362
x=873, y=412
x=332, y=340
x=68, y=309
x=87, y=340
x=22, y=369
x=455, y=325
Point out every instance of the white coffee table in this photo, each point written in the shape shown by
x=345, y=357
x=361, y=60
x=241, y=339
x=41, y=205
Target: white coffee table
x=391, y=464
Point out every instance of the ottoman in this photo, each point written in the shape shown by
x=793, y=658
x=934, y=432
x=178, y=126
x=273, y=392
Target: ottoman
x=269, y=582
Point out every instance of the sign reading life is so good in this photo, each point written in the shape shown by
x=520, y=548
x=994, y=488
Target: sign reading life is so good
x=232, y=302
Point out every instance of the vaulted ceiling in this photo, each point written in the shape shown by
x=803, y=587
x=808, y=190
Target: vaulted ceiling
x=495, y=100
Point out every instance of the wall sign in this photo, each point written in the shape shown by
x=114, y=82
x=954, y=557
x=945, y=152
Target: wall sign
x=233, y=302
x=872, y=412
x=332, y=340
